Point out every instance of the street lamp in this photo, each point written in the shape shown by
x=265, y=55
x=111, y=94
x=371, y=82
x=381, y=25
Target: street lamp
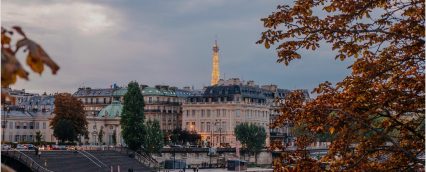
x=5, y=124
x=220, y=130
x=95, y=128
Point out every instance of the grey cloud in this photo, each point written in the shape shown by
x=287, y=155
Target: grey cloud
x=160, y=42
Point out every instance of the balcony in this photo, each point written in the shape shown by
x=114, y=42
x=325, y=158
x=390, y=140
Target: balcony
x=163, y=103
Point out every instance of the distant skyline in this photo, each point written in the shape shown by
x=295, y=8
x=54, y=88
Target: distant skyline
x=98, y=43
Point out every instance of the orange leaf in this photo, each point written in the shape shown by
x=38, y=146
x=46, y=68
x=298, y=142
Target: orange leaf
x=37, y=52
x=35, y=64
x=331, y=130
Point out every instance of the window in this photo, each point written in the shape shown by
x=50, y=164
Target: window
x=193, y=126
x=37, y=125
x=10, y=126
x=97, y=101
x=150, y=99
x=202, y=126
x=105, y=101
x=31, y=125
x=208, y=112
x=202, y=113
x=3, y=124
x=224, y=112
x=44, y=125
x=187, y=113
x=193, y=113
x=111, y=127
x=208, y=126
x=237, y=113
x=218, y=112
x=17, y=125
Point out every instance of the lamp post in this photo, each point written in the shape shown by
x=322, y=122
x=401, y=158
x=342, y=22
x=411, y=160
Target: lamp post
x=95, y=128
x=220, y=130
x=6, y=110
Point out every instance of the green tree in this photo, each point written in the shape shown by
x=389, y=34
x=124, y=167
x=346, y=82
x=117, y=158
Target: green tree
x=38, y=137
x=114, y=137
x=154, y=138
x=69, y=108
x=132, y=119
x=65, y=131
x=179, y=136
x=252, y=137
x=101, y=136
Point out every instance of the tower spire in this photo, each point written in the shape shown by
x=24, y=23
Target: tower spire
x=215, y=64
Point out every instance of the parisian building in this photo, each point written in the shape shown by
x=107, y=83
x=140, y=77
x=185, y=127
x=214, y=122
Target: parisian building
x=162, y=103
x=28, y=114
x=215, y=113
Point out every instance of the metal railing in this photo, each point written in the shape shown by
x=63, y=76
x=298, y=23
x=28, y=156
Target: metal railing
x=25, y=159
x=141, y=157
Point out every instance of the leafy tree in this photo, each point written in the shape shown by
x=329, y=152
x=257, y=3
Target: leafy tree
x=114, y=137
x=183, y=136
x=11, y=67
x=132, y=119
x=101, y=136
x=69, y=108
x=252, y=137
x=385, y=41
x=154, y=137
x=65, y=131
x=38, y=137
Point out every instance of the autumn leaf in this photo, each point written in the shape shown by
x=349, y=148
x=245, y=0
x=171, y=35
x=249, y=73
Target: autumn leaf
x=37, y=55
x=19, y=30
x=331, y=129
x=35, y=64
x=266, y=44
x=36, y=58
x=5, y=40
x=10, y=68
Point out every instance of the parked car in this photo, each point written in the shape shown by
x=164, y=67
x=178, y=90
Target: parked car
x=21, y=147
x=29, y=146
x=5, y=147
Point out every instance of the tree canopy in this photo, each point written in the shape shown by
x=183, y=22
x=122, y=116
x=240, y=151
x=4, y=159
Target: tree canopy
x=70, y=109
x=251, y=136
x=376, y=114
x=64, y=130
x=154, y=138
x=179, y=136
x=132, y=118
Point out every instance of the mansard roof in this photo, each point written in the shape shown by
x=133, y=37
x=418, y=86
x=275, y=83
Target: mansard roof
x=99, y=92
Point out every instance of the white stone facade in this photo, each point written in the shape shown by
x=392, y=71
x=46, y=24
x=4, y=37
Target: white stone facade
x=215, y=121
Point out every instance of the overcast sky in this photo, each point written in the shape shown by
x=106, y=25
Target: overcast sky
x=97, y=43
